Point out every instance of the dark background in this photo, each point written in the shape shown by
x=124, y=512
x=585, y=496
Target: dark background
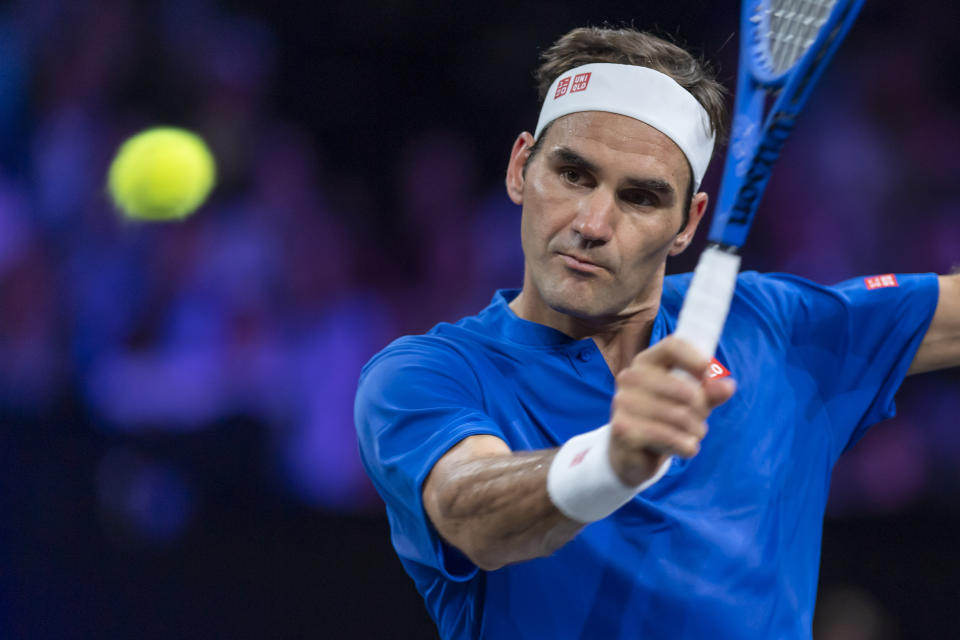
x=177, y=453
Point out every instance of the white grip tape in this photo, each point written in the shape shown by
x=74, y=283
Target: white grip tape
x=581, y=482
x=707, y=302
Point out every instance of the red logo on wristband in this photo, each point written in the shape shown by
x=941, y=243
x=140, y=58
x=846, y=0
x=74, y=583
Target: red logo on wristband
x=577, y=459
x=716, y=370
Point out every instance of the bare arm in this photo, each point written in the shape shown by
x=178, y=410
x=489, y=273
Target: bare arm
x=493, y=504
x=941, y=346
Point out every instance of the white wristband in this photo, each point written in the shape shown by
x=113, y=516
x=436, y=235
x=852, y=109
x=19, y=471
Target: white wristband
x=581, y=482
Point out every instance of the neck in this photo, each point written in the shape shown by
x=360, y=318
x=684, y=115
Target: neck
x=619, y=336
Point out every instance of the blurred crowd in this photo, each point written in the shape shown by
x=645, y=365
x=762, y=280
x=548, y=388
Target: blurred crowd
x=308, y=259
x=268, y=302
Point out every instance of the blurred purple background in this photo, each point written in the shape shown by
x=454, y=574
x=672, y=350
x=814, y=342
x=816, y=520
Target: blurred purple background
x=177, y=451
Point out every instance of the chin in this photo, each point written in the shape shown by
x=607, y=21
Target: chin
x=579, y=304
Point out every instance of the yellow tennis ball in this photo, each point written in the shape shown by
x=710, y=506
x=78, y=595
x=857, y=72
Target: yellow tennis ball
x=162, y=173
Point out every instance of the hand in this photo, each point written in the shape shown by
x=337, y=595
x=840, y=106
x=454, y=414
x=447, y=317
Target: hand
x=656, y=414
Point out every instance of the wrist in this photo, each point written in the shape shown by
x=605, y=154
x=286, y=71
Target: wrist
x=581, y=481
x=635, y=469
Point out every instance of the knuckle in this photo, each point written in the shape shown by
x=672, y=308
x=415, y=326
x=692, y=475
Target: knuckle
x=688, y=446
x=619, y=429
x=624, y=404
x=694, y=420
x=617, y=403
x=698, y=427
x=677, y=415
x=690, y=356
x=626, y=377
x=701, y=413
x=633, y=434
x=683, y=390
x=701, y=429
x=672, y=342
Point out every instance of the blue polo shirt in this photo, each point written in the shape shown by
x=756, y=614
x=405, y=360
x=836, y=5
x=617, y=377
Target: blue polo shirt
x=726, y=545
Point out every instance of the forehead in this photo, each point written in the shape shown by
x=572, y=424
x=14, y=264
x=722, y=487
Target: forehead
x=620, y=144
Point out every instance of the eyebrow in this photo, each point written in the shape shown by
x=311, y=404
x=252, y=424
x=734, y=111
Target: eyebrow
x=660, y=186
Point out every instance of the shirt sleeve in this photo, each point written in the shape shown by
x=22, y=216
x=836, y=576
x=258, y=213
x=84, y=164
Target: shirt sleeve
x=417, y=399
x=857, y=339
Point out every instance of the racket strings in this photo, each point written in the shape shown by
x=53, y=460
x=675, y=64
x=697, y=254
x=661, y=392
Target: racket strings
x=793, y=27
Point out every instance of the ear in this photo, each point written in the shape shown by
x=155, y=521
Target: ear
x=518, y=160
x=698, y=206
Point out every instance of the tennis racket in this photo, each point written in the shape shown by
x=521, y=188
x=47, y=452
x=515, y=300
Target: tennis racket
x=784, y=47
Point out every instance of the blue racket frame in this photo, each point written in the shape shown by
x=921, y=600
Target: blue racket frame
x=754, y=148
x=755, y=141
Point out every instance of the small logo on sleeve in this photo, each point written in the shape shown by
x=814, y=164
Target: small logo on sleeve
x=716, y=370
x=881, y=282
x=580, y=82
x=562, y=88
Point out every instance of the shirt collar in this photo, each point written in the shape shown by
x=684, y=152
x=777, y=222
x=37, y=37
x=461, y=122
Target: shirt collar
x=516, y=329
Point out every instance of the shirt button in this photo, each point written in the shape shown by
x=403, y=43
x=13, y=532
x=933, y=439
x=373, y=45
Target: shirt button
x=584, y=355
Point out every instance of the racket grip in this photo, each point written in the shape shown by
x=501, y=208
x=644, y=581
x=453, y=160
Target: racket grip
x=707, y=302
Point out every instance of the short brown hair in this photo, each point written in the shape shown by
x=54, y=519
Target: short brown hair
x=629, y=46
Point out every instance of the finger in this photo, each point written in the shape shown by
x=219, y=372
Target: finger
x=658, y=383
x=675, y=353
x=719, y=391
x=644, y=437
x=642, y=408
x=665, y=441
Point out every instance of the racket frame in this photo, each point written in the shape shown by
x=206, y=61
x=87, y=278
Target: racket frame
x=756, y=140
x=755, y=145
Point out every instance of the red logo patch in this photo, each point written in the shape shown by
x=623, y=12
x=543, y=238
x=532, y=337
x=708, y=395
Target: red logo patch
x=577, y=459
x=562, y=88
x=580, y=82
x=881, y=282
x=716, y=370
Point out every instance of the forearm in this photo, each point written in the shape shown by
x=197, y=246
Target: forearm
x=496, y=508
x=500, y=507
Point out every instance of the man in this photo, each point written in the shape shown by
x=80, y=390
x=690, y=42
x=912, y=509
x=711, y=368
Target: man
x=546, y=475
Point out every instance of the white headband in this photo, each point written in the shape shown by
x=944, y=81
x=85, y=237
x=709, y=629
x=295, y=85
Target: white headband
x=640, y=93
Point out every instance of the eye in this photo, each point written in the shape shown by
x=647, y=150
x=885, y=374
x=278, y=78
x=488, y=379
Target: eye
x=572, y=176
x=640, y=198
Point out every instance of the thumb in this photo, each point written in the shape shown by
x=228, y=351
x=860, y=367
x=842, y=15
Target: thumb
x=719, y=391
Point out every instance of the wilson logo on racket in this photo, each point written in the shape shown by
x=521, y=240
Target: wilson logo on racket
x=717, y=370
x=755, y=171
x=881, y=282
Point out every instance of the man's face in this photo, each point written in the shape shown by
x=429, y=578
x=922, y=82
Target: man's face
x=603, y=204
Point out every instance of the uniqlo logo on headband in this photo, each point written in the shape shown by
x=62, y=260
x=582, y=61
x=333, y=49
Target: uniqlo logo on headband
x=881, y=282
x=562, y=88
x=580, y=82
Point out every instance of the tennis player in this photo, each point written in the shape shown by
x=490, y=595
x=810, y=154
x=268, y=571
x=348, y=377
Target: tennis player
x=546, y=476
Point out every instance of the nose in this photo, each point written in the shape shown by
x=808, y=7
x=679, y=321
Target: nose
x=595, y=219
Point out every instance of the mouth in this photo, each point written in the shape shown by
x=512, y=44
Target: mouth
x=581, y=264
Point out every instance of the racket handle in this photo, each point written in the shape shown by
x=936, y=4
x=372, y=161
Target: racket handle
x=707, y=302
